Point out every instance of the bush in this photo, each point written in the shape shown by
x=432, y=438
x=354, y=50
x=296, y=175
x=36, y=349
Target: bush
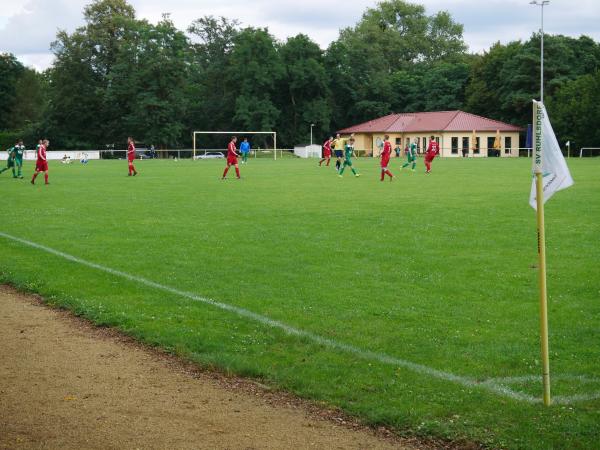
x=8, y=139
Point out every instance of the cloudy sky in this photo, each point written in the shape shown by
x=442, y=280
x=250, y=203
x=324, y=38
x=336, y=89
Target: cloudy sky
x=28, y=26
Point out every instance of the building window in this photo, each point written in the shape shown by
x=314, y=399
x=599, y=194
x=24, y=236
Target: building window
x=465, y=146
x=490, y=146
x=507, y=145
x=477, y=146
x=398, y=141
x=418, y=142
x=424, y=143
x=454, y=147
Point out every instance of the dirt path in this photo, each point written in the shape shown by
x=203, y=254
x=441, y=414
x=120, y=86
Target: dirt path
x=65, y=384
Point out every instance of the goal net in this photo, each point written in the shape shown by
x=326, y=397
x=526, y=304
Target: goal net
x=202, y=143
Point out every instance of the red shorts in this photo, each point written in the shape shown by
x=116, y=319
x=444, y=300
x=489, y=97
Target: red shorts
x=326, y=153
x=41, y=166
x=130, y=158
x=231, y=160
x=385, y=162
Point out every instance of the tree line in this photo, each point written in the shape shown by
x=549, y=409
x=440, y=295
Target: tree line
x=119, y=75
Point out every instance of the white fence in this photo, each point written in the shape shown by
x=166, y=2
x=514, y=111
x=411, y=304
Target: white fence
x=30, y=155
x=313, y=151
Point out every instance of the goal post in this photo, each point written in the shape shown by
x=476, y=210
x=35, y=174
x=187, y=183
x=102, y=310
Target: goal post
x=591, y=150
x=235, y=133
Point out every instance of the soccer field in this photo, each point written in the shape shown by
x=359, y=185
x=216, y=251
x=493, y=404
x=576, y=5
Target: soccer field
x=412, y=304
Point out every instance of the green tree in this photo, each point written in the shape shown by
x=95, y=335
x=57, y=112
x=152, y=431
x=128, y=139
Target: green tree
x=118, y=76
x=11, y=70
x=430, y=87
x=253, y=74
x=574, y=110
x=506, y=78
x=443, y=86
x=106, y=29
x=209, y=100
x=79, y=114
x=395, y=37
x=75, y=115
x=303, y=92
x=401, y=33
x=147, y=82
x=31, y=100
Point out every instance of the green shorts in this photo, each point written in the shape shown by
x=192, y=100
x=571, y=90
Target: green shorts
x=19, y=161
x=410, y=158
x=10, y=162
x=347, y=162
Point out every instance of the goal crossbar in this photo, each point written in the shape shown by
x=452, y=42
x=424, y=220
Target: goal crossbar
x=274, y=133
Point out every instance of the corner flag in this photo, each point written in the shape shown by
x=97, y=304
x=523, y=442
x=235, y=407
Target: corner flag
x=551, y=174
x=551, y=165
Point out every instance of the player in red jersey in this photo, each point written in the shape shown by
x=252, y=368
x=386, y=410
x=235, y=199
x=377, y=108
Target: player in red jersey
x=385, y=158
x=432, y=151
x=327, y=151
x=41, y=165
x=232, y=157
x=131, y=156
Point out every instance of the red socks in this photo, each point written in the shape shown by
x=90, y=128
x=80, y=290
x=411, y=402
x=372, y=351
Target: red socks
x=384, y=173
x=428, y=165
x=35, y=174
x=237, y=171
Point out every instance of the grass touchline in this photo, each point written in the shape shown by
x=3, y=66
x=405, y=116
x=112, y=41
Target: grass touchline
x=489, y=385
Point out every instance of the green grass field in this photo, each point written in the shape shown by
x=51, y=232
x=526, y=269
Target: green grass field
x=437, y=270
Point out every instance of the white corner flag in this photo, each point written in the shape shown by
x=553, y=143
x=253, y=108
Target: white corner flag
x=547, y=157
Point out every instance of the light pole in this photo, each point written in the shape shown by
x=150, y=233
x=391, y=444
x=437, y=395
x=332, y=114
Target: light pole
x=311, y=127
x=541, y=3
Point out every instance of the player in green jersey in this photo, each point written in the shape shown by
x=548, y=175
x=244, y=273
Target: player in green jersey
x=10, y=162
x=19, y=151
x=411, y=156
x=348, y=152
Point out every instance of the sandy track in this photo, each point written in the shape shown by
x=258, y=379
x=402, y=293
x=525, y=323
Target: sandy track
x=65, y=384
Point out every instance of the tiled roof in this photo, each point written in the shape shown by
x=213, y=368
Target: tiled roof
x=430, y=122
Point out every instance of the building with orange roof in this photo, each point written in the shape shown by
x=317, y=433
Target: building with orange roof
x=458, y=133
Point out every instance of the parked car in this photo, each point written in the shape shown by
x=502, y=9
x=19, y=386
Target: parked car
x=210, y=155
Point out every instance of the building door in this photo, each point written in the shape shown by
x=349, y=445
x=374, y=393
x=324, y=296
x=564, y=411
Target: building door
x=465, y=147
x=507, y=145
x=454, y=145
x=368, y=144
x=377, y=145
x=490, y=146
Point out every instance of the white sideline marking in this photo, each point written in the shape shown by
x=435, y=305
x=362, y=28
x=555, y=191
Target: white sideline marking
x=556, y=399
x=490, y=385
x=529, y=378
